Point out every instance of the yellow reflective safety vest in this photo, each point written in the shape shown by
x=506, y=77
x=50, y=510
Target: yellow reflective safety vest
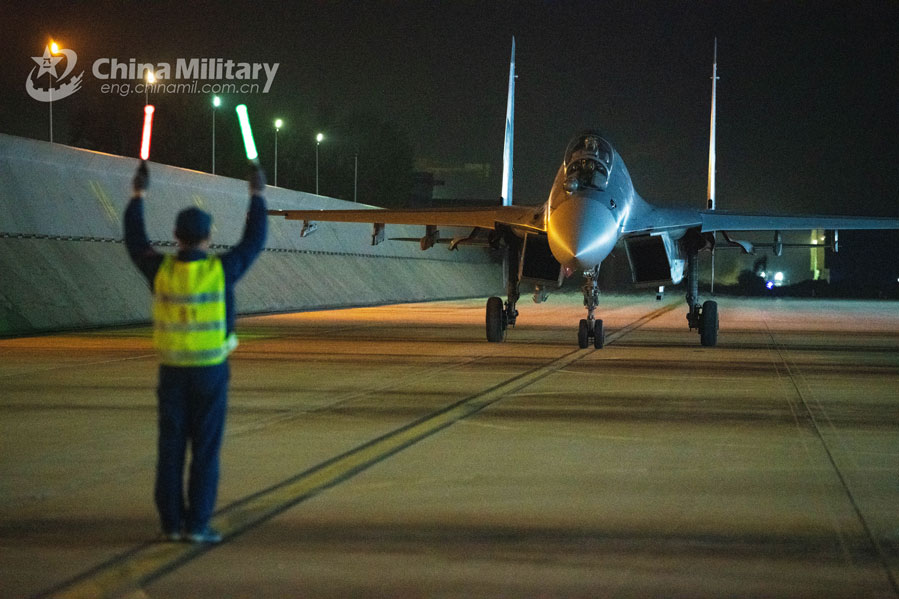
x=189, y=323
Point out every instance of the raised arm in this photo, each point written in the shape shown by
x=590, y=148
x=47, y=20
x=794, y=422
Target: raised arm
x=136, y=241
x=239, y=259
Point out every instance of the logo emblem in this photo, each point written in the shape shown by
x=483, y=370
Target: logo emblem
x=44, y=84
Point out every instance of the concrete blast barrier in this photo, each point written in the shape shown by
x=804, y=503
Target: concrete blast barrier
x=63, y=264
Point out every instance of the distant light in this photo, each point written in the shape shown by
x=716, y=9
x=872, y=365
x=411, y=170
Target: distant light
x=278, y=123
x=54, y=48
x=763, y=274
x=769, y=285
x=151, y=78
x=779, y=276
x=319, y=137
x=216, y=101
x=248, y=143
x=814, y=242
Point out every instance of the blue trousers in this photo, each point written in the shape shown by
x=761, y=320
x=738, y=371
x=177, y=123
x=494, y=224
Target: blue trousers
x=192, y=406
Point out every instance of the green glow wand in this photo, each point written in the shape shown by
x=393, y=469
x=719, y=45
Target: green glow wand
x=248, y=143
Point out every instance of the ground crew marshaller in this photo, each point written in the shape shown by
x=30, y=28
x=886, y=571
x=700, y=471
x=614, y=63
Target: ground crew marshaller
x=193, y=331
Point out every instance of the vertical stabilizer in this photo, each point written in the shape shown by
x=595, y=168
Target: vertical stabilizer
x=711, y=188
x=510, y=130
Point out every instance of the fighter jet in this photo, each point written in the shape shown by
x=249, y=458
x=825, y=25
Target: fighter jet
x=593, y=207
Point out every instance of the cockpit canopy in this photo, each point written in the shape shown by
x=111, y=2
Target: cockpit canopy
x=588, y=162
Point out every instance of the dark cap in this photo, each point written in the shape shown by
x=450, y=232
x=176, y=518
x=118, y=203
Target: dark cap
x=192, y=225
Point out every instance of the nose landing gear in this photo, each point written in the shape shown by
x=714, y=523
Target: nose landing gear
x=590, y=328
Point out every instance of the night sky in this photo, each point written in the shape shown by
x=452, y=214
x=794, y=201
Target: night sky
x=808, y=96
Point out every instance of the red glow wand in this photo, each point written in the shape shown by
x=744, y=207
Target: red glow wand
x=148, y=126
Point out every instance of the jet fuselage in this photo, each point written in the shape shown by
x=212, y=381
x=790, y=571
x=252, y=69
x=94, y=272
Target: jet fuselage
x=590, y=202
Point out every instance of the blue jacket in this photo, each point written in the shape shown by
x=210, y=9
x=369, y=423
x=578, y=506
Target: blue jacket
x=235, y=262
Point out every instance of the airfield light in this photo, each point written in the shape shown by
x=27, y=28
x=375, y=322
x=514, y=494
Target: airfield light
x=54, y=48
x=769, y=284
x=151, y=79
x=248, y=143
x=145, y=138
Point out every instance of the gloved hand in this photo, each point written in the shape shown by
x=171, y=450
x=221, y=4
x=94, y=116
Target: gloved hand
x=256, y=180
x=141, y=179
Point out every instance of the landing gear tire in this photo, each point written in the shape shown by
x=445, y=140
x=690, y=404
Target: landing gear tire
x=599, y=335
x=708, y=324
x=583, y=334
x=496, y=316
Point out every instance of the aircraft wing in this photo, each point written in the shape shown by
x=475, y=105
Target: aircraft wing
x=657, y=219
x=718, y=220
x=529, y=217
x=653, y=219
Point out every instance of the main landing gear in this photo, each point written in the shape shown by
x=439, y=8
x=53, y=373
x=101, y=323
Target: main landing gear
x=502, y=316
x=499, y=318
x=590, y=328
x=704, y=317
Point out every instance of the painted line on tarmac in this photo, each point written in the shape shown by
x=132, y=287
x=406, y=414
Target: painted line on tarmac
x=613, y=337
x=139, y=567
x=805, y=397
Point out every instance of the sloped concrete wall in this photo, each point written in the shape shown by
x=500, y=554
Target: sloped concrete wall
x=63, y=264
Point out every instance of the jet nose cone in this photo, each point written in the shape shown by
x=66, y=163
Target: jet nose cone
x=582, y=232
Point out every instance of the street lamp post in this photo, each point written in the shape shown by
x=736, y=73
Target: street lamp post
x=51, y=107
x=54, y=49
x=318, y=141
x=216, y=102
x=151, y=79
x=355, y=176
x=278, y=124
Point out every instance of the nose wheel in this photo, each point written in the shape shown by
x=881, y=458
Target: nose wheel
x=585, y=334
